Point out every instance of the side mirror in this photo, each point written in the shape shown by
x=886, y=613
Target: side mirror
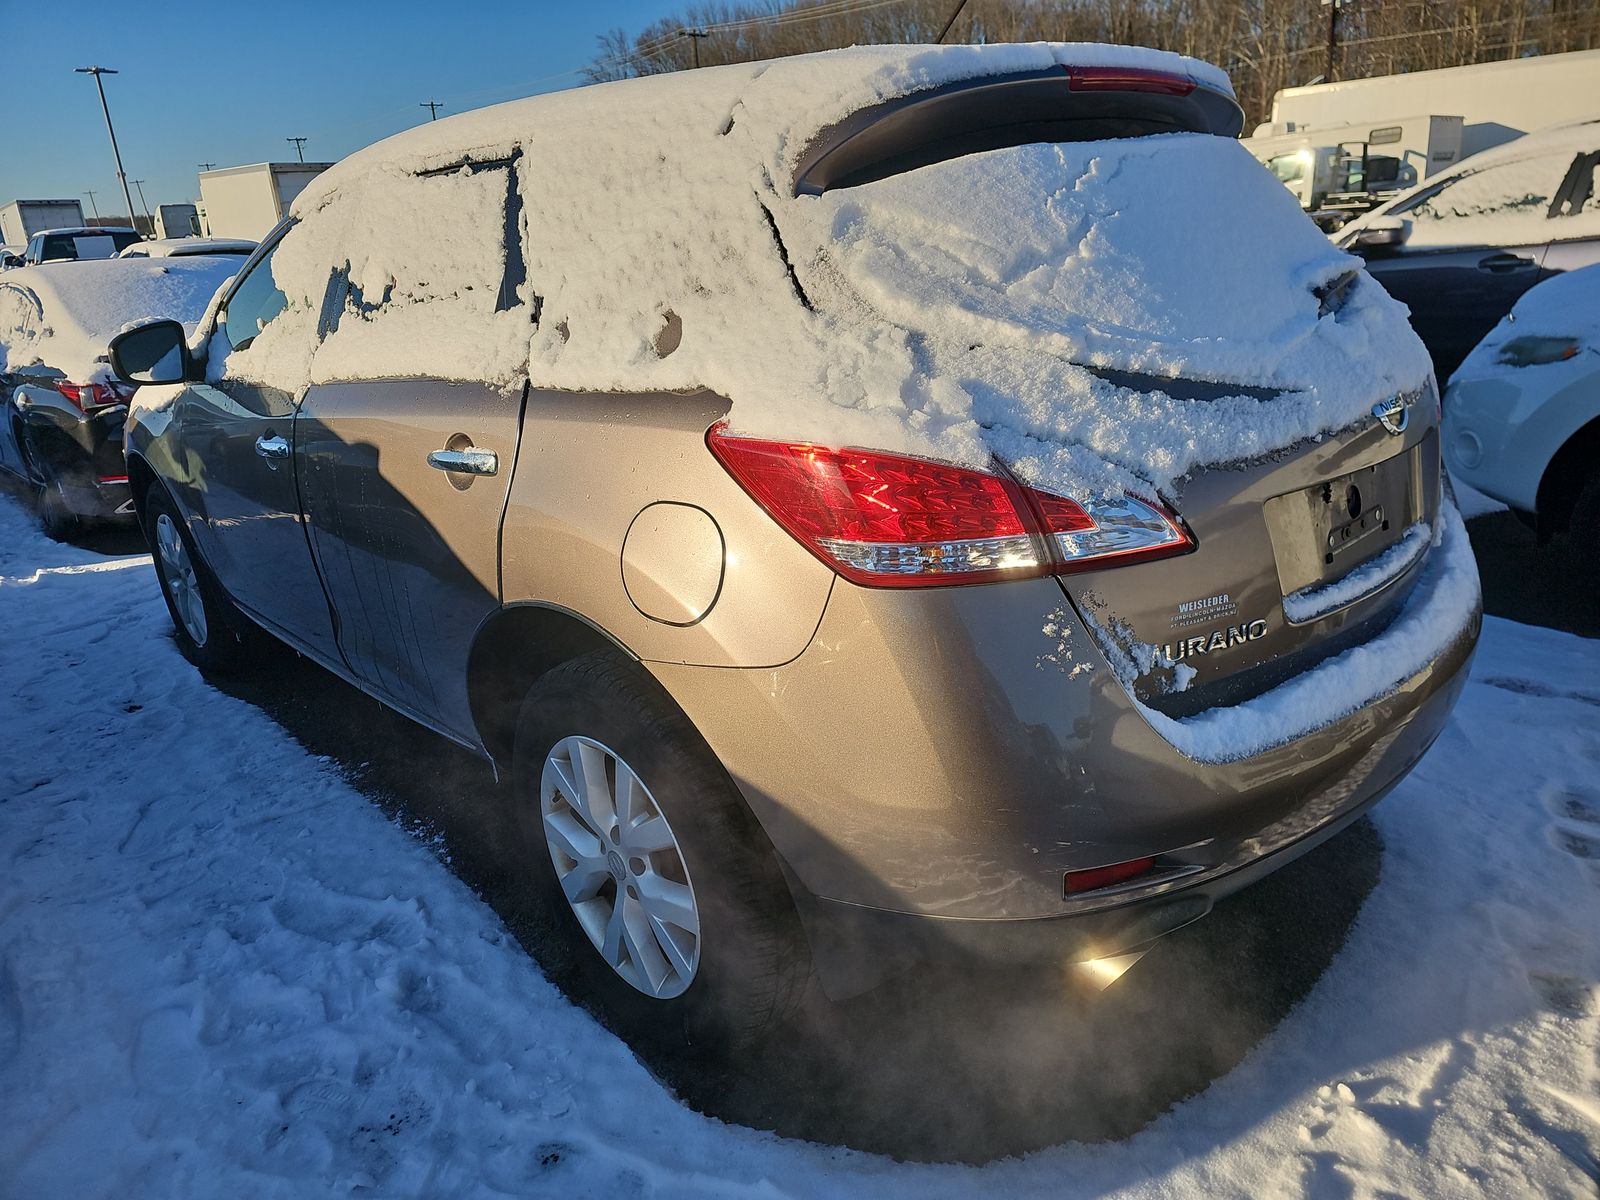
x=157, y=352
x=12, y=260
x=1384, y=231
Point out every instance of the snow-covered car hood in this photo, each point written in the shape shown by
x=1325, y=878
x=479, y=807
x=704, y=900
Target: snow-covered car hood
x=1563, y=306
x=670, y=202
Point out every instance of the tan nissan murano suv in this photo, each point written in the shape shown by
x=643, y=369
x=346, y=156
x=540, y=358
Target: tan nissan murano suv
x=881, y=508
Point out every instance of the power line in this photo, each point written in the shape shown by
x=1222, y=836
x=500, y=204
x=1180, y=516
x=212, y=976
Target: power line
x=694, y=36
x=139, y=183
x=960, y=4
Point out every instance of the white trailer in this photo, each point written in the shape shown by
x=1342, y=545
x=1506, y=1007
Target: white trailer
x=246, y=202
x=21, y=219
x=1498, y=101
x=176, y=221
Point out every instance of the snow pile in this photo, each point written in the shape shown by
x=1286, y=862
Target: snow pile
x=61, y=315
x=1563, y=306
x=224, y=973
x=655, y=206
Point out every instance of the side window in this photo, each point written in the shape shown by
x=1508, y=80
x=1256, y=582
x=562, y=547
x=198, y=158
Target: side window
x=427, y=274
x=254, y=304
x=1581, y=191
x=1499, y=205
x=1289, y=168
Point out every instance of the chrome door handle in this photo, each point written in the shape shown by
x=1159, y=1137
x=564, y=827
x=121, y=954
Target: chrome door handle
x=274, y=447
x=467, y=462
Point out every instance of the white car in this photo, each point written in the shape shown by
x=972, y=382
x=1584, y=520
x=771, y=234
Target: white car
x=1522, y=415
x=187, y=247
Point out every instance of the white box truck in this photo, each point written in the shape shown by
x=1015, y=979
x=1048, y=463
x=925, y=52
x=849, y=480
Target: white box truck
x=1336, y=172
x=246, y=202
x=21, y=219
x=1498, y=101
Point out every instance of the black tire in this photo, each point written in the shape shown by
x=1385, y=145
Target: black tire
x=230, y=641
x=58, y=520
x=753, y=965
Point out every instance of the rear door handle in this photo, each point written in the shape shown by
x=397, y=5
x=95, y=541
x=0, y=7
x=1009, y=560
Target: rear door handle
x=1501, y=264
x=272, y=448
x=467, y=462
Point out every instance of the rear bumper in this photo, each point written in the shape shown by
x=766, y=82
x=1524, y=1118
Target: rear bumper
x=80, y=458
x=857, y=946
x=936, y=761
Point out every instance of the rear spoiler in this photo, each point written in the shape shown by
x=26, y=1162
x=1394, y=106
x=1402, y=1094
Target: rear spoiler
x=1058, y=104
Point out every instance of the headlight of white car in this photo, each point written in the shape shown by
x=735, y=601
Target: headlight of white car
x=1534, y=351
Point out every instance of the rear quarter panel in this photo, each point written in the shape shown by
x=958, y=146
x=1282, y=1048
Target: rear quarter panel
x=589, y=463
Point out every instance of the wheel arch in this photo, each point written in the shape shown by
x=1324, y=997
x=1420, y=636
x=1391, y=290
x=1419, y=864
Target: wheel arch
x=1564, y=476
x=141, y=476
x=512, y=649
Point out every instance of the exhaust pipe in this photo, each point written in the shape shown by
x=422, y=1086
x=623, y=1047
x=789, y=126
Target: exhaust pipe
x=1101, y=973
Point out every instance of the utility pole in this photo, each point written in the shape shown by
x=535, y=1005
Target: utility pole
x=433, y=107
x=205, y=166
x=694, y=36
x=299, y=146
x=92, y=206
x=122, y=176
x=1333, y=7
x=139, y=183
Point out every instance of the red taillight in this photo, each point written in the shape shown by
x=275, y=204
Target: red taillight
x=1128, y=79
x=90, y=396
x=889, y=520
x=1095, y=878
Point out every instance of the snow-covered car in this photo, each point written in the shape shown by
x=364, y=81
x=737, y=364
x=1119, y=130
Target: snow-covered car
x=187, y=247
x=1522, y=415
x=78, y=244
x=866, y=501
x=1460, y=249
x=61, y=412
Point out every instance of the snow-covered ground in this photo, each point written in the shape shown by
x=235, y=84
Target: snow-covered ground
x=223, y=972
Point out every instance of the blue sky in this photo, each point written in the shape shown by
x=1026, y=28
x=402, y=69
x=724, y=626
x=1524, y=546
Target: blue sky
x=227, y=83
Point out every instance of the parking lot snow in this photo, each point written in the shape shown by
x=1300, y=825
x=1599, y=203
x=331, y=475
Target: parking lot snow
x=224, y=972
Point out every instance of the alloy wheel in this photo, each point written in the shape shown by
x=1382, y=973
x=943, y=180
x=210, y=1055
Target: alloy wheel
x=177, y=572
x=620, y=867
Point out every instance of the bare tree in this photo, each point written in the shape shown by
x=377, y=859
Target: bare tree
x=1264, y=45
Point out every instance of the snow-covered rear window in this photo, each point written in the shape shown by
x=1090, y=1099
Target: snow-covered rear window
x=1173, y=240
x=405, y=274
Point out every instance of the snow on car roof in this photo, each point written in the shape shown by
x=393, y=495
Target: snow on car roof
x=1505, y=205
x=669, y=201
x=188, y=246
x=61, y=315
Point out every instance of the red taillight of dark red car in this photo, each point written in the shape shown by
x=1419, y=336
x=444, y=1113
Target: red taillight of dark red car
x=892, y=520
x=90, y=396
